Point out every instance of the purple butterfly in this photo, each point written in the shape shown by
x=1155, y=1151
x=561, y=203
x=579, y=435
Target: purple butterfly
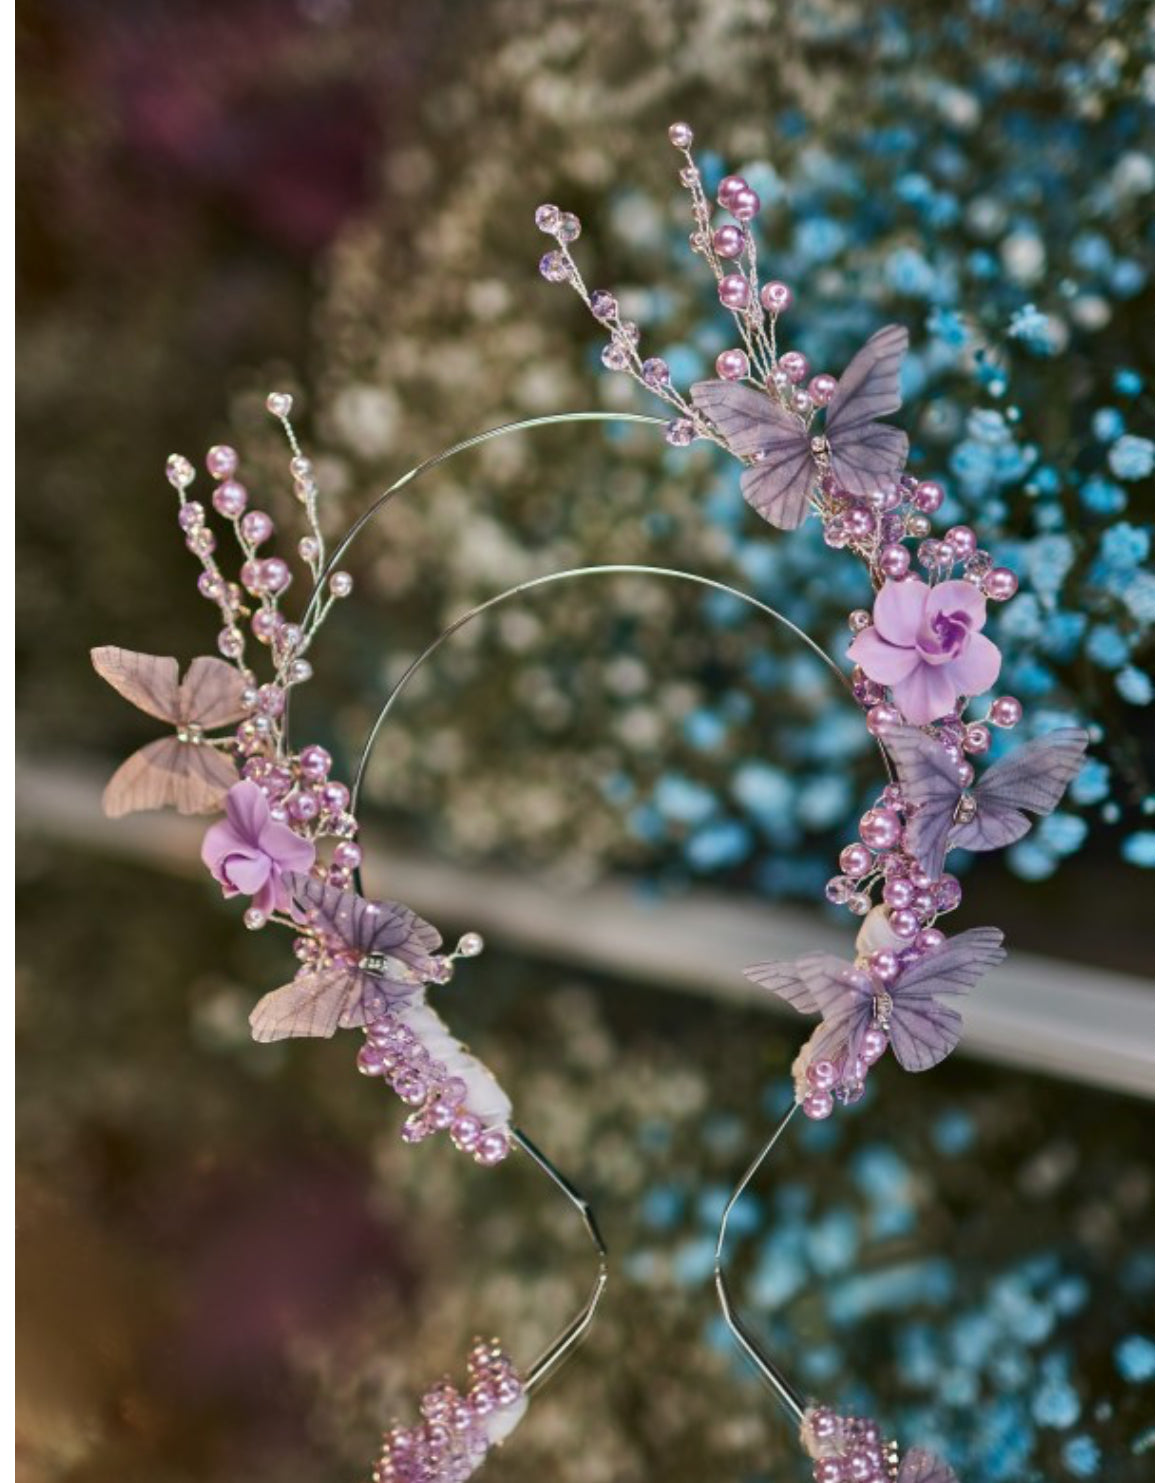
x=920, y=1466
x=864, y=455
x=379, y=954
x=989, y=815
x=922, y=1030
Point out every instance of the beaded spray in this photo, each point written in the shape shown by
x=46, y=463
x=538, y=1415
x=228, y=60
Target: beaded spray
x=288, y=838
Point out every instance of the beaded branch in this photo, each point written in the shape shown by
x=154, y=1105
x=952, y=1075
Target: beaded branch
x=287, y=841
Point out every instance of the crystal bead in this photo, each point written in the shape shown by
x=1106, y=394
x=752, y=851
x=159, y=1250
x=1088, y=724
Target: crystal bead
x=603, y=303
x=614, y=358
x=554, y=267
x=680, y=433
x=569, y=228
x=655, y=371
x=179, y=471
x=548, y=218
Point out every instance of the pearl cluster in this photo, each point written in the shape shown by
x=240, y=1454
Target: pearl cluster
x=440, y=1098
x=878, y=526
x=729, y=249
x=457, y=1428
x=298, y=787
x=847, y=1449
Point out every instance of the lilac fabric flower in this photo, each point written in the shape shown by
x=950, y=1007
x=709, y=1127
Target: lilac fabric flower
x=925, y=644
x=249, y=852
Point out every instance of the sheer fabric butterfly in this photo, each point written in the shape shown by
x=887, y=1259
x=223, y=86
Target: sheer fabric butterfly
x=185, y=771
x=943, y=814
x=787, y=461
x=370, y=963
x=369, y=956
x=862, y=1014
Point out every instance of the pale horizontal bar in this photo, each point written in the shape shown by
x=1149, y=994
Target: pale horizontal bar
x=1088, y=1024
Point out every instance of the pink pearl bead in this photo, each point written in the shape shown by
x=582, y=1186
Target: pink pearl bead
x=727, y=241
x=348, y=854
x=859, y=1468
x=335, y=797
x=928, y=496
x=881, y=717
x=965, y=774
x=230, y=499
x=729, y=187
x=303, y=806
x=880, y=828
x=930, y=939
x=681, y=135
x=745, y=204
x=222, y=461
x=884, y=965
x=466, y=1131
x=1006, y=711
x=274, y=574
x=1000, y=584
x=256, y=527
x=775, y=296
x=823, y=1424
x=821, y=389
x=859, y=523
x=794, y=365
x=818, y=1105
x=962, y=541
x=822, y=1075
x=898, y=892
x=734, y=291
x=315, y=763
x=873, y=1045
x=894, y=562
x=370, y=1060
x=856, y=861
x=904, y=924
x=976, y=739
x=732, y=365
x=829, y=1470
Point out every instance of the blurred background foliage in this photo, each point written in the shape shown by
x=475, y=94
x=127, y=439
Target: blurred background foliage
x=336, y=196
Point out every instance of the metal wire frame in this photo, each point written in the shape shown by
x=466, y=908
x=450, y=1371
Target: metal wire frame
x=574, y=1333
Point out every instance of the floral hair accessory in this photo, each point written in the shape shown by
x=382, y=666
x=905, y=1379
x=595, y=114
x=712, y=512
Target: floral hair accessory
x=457, y=1430
x=288, y=840
x=920, y=656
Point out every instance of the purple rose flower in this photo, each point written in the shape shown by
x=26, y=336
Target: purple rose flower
x=925, y=644
x=249, y=851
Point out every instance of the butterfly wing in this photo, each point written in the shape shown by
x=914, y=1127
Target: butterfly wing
x=210, y=693
x=385, y=927
x=866, y=456
x=924, y=1031
x=822, y=984
x=779, y=480
x=920, y=1466
x=168, y=773
x=149, y=681
x=313, y=1004
x=1032, y=778
x=930, y=782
